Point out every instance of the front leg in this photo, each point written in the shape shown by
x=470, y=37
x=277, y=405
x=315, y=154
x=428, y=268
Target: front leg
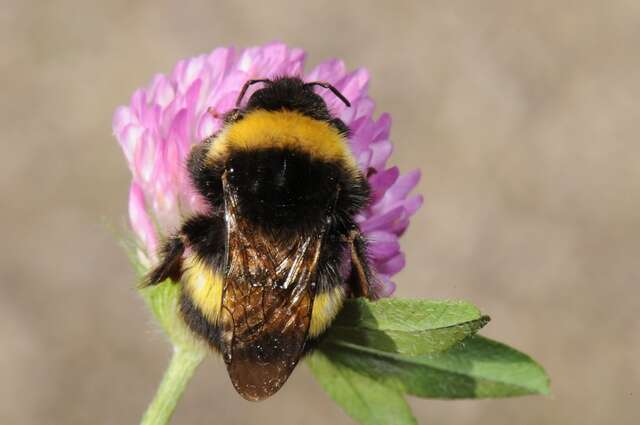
x=203, y=234
x=170, y=266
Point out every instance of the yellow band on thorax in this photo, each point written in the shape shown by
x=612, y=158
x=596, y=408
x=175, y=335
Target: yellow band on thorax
x=284, y=129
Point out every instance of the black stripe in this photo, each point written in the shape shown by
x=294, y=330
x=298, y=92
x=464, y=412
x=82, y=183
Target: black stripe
x=199, y=324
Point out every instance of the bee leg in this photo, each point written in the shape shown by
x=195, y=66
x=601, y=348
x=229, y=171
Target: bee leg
x=361, y=277
x=170, y=266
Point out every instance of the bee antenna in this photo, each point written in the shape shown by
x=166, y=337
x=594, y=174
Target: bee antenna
x=246, y=86
x=330, y=87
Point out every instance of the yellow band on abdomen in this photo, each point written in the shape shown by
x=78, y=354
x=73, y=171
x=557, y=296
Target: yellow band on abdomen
x=326, y=306
x=204, y=286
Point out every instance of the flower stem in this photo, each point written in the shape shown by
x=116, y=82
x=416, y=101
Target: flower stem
x=181, y=368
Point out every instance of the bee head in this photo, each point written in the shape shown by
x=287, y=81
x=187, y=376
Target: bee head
x=292, y=94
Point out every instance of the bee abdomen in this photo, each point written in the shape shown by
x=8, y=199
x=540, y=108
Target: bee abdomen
x=199, y=324
x=201, y=299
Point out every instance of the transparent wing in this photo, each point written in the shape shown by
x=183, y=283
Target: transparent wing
x=267, y=301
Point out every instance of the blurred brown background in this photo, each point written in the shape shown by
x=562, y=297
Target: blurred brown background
x=522, y=115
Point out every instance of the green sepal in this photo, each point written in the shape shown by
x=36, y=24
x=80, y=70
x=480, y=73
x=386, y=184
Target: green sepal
x=164, y=302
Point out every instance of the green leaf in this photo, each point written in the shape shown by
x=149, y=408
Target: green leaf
x=411, y=327
x=475, y=368
x=364, y=398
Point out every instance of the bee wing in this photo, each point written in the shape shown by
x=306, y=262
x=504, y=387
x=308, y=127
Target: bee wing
x=266, y=304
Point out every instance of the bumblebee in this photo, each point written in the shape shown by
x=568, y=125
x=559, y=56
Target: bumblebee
x=267, y=268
